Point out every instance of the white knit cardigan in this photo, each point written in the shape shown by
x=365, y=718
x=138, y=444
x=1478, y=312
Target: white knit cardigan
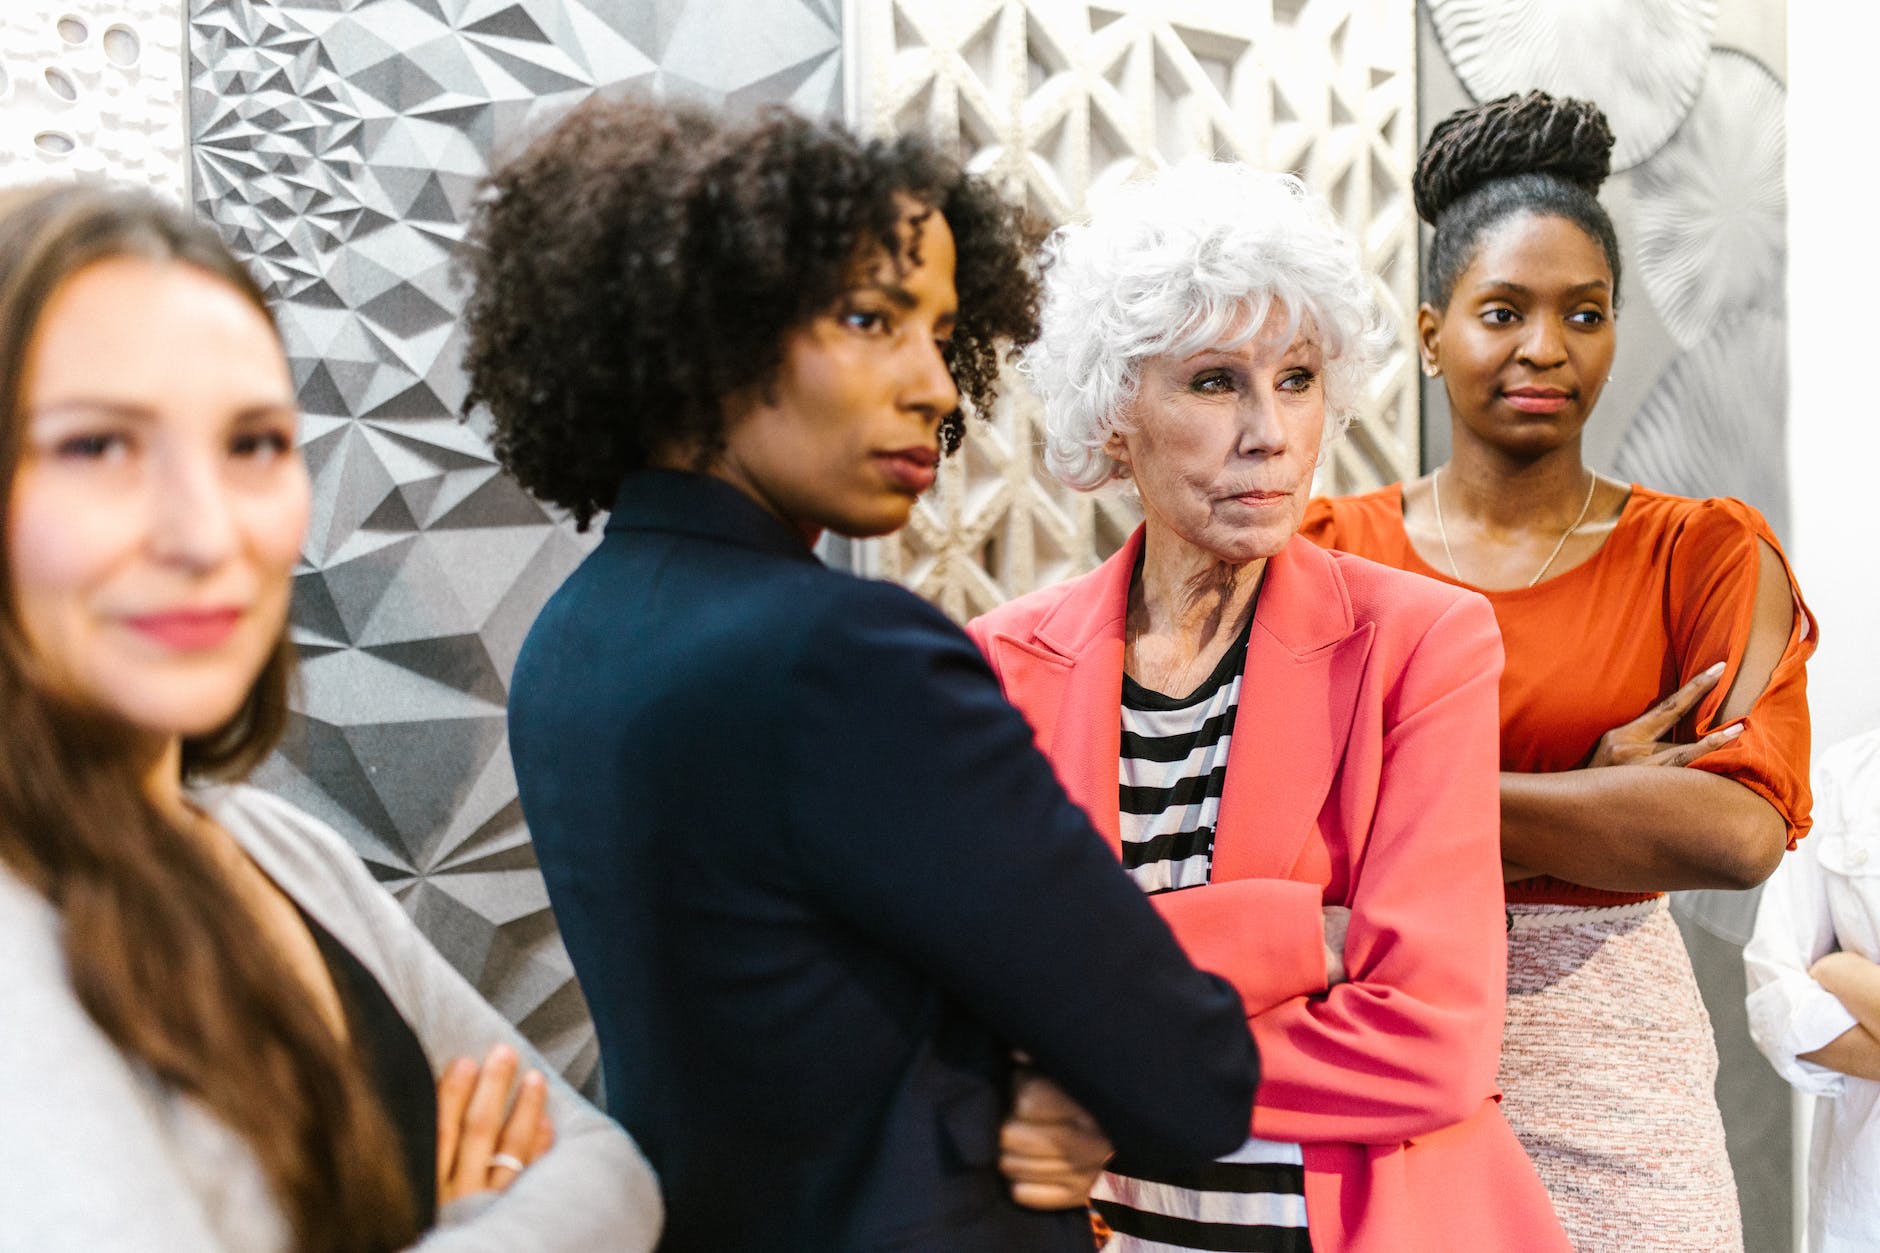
x=97, y=1156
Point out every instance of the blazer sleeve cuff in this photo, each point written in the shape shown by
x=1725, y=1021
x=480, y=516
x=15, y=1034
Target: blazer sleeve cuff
x=1264, y=936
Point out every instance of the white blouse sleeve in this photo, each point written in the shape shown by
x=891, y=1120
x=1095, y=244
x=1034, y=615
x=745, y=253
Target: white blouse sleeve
x=1789, y=1013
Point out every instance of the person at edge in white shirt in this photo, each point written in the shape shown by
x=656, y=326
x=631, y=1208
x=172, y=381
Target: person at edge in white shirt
x=1814, y=992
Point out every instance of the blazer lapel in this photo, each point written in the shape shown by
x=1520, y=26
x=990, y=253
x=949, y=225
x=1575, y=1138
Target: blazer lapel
x=1089, y=735
x=1076, y=673
x=1304, y=665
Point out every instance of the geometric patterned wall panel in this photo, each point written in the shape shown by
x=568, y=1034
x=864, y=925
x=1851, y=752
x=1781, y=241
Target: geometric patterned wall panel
x=1053, y=98
x=339, y=147
x=92, y=87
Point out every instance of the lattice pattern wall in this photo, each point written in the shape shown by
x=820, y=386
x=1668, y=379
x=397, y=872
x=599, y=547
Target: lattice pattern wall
x=1054, y=97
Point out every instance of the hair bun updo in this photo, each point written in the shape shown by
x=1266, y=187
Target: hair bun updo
x=1513, y=135
x=1520, y=155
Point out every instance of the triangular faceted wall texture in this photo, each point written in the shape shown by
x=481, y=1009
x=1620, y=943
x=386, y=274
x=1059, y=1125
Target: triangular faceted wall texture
x=339, y=146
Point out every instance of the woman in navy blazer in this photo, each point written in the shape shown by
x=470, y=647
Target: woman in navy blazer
x=816, y=880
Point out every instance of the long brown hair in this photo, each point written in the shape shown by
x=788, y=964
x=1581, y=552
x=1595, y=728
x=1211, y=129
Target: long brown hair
x=160, y=949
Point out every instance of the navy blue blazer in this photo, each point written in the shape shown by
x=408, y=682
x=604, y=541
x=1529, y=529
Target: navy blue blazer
x=818, y=884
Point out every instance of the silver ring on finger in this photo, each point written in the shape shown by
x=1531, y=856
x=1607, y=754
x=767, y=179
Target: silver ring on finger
x=508, y=1161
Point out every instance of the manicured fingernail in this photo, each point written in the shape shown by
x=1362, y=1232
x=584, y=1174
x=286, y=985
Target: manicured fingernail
x=1713, y=671
x=533, y=1079
x=1730, y=733
x=501, y=1053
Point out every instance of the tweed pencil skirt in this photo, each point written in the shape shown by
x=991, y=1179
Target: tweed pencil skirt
x=1608, y=1075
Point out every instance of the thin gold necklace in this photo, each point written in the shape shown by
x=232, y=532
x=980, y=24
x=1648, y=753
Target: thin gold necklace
x=1436, y=496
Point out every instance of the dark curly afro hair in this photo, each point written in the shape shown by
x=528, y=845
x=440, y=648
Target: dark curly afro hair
x=1531, y=154
x=642, y=261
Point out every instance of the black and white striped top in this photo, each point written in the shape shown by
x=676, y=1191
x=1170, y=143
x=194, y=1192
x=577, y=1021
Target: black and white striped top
x=1171, y=772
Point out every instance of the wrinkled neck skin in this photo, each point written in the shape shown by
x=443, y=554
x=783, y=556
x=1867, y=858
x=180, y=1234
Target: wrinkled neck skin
x=1186, y=605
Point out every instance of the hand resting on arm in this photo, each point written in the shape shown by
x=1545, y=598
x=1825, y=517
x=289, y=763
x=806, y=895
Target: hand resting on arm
x=1625, y=822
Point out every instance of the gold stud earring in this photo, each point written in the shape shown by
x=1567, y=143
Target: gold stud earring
x=1431, y=369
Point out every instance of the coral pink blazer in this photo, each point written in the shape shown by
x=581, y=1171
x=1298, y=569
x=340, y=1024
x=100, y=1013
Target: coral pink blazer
x=1363, y=773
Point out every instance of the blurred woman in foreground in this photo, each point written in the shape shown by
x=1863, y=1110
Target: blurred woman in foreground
x=220, y=1033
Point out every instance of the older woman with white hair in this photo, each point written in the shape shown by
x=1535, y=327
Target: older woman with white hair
x=1293, y=749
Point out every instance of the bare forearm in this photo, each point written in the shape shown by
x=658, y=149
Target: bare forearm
x=1855, y=1051
x=1639, y=828
x=1855, y=982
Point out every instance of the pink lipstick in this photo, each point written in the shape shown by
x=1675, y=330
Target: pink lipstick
x=1540, y=400
x=188, y=630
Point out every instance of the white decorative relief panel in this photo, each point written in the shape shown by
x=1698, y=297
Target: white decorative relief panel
x=1712, y=204
x=1053, y=97
x=1712, y=237
x=1642, y=61
x=91, y=87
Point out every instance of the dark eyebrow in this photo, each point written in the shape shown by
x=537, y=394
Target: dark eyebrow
x=904, y=299
x=1508, y=285
x=901, y=297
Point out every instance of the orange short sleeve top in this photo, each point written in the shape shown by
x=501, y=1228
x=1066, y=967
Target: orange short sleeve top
x=1672, y=591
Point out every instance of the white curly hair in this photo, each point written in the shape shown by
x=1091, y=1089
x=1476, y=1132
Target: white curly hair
x=1192, y=257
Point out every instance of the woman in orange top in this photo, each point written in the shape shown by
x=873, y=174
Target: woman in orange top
x=1612, y=599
